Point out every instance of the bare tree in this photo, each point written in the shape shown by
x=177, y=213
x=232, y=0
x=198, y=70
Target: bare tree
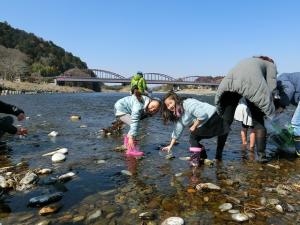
x=13, y=63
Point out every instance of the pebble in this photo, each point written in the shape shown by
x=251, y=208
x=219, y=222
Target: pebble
x=225, y=207
x=83, y=126
x=78, y=219
x=207, y=186
x=67, y=176
x=44, y=171
x=95, y=215
x=147, y=216
x=75, y=117
x=206, y=199
x=29, y=178
x=186, y=158
x=273, y=166
x=50, y=209
x=263, y=201
x=208, y=162
x=44, y=222
x=178, y=174
x=101, y=161
x=53, y=134
x=126, y=172
x=170, y=156
x=58, y=157
x=8, y=174
x=3, y=183
x=133, y=211
x=173, y=221
x=234, y=211
x=60, y=150
x=240, y=217
x=273, y=201
x=279, y=208
x=45, y=199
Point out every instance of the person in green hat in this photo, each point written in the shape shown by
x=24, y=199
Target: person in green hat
x=138, y=83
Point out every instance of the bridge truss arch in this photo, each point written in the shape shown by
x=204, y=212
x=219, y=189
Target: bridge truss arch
x=158, y=77
x=189, y=79
x=104, y=74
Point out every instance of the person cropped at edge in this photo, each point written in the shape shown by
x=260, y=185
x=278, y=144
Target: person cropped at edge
x=290, y=82
x=138, y=83
x=6, y=123
x=255, y=80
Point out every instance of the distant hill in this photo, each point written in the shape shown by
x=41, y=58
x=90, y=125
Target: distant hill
x=35, y=55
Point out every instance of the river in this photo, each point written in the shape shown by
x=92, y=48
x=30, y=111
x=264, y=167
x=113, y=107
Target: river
x=158, y=186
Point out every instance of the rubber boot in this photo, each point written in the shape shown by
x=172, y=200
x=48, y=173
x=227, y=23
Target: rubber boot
x=297, y=145
x=260, y=141
x=134, y=151
x=220, y=146
x=197, y=153
x=125, y=142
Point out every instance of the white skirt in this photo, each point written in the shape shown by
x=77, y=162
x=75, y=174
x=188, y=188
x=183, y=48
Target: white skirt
x=242, y=113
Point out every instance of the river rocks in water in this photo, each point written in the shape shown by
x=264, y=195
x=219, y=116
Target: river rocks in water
x=66, y=177
x=58, y=157
x=207, y=186
x=147, y=216
x=83, y=126
x=75, y=117
x=59, y=150
x=126, y=172
x=240, y=217
x=45, y=199
x=8, y=174
x=273, y=166
x=94, y=215
x=283, y=189
x=46, y=210
x=53, y=134
x=173, y=221
x=44, y=171
x=178, y=174
x=279, y=208
x=78, y=219
x=225, y=207
x=48, y=181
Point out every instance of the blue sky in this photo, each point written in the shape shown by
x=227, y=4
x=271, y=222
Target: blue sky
x=174, y=37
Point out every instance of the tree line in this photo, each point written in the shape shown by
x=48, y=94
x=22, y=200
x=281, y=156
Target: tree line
x=24, y=55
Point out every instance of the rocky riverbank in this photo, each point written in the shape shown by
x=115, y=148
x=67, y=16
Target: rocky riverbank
x=9, y=87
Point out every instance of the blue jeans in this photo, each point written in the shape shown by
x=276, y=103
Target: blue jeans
x=296, y=121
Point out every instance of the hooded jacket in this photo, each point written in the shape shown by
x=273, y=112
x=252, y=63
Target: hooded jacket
x=254, y=79
x=132, y=106
x=8, y=109
x=291, y=86
x=139, y=81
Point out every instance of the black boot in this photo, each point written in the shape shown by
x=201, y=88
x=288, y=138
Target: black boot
x=297, y=145
x=220, y=146
x=260, y=141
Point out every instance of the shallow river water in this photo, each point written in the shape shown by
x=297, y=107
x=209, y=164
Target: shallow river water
x=101, y=194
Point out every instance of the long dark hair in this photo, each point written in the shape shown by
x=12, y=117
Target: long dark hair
x=167, y=115
x=266, y=58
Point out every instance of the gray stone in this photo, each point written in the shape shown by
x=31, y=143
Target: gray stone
x=240, y=217
x=45, y=199
x=173, y=221
x=225, y=207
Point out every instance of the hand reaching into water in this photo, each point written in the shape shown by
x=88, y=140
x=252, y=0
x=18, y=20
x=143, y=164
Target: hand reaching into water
x=130, y=144
x=21, y=116
x=22, y=131
x=167, y=148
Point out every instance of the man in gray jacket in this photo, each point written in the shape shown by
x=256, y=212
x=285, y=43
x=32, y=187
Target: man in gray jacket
x=255, y=80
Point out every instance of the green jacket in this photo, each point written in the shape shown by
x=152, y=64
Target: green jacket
x=140, y=82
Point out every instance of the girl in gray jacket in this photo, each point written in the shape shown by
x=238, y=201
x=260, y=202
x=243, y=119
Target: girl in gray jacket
x=255, y=79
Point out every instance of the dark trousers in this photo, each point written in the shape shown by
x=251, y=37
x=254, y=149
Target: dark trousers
x=229, y=102
x=6, y=125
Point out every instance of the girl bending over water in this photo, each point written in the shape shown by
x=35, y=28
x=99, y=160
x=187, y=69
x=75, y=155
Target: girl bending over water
x=131, y=110
x=202, y=120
